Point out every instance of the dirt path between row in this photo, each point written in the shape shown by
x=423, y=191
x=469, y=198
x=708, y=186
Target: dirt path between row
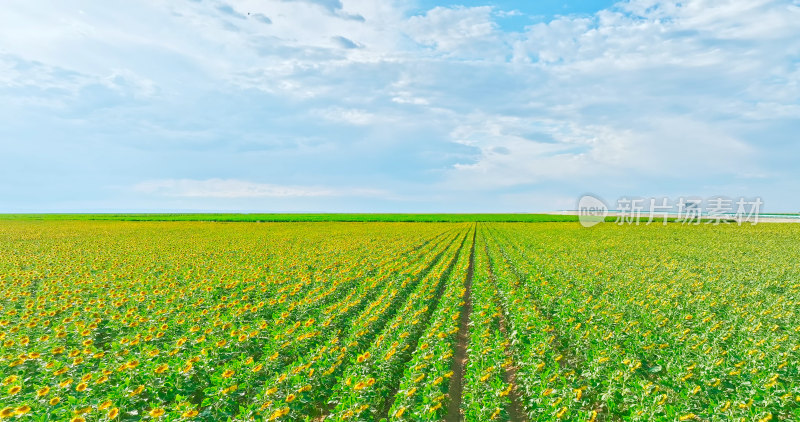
x=456, y=389
x=515, y=409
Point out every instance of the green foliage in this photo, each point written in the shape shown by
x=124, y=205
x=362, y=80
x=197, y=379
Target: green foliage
x=265, y=218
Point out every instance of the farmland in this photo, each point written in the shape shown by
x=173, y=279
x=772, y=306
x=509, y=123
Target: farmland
x=403, y=321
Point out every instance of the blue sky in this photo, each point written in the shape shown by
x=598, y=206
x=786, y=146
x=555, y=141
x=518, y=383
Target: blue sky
x=395, y=106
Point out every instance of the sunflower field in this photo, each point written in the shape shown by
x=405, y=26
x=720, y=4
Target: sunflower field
x=398, y=321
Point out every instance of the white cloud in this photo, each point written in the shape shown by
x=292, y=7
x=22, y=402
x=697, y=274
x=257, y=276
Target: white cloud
x=348, y=116
x=723, y=19
x=508, y=13
x=405, y=98
x=519, y=151
x=125, y=81
x=458, y=30
x=232, y=188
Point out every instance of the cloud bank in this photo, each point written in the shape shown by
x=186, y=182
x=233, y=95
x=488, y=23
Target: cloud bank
x=200, y=104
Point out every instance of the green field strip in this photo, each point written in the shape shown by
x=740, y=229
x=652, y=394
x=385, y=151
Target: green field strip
x=278, y=218
x=337, y=218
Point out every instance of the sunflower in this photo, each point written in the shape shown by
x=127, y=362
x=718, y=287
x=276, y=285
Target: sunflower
x=54, y=401
x=42, y=391
x=113, y=413
x=22, y=410
x=104, y=405
x=157, y=412
x=82, y=411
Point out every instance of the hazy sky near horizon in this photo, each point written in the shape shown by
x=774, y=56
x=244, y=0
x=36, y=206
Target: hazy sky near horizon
x=395, y=106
